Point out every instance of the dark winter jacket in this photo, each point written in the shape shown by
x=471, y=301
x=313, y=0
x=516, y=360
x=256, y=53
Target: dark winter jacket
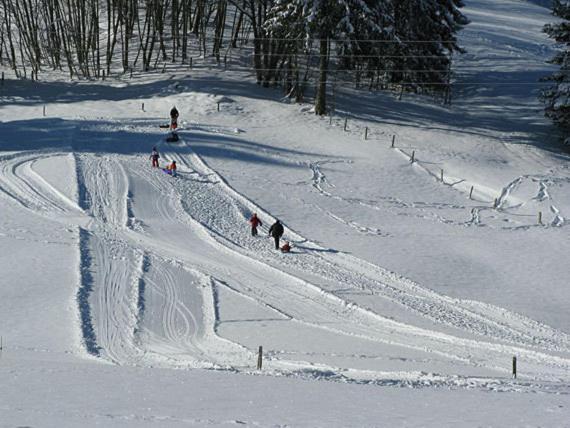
x=174, y=113
x=276, y=229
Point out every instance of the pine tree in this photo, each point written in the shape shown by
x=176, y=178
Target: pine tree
x=557, y=97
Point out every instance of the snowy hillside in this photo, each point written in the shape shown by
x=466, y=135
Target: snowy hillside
x=129, y=297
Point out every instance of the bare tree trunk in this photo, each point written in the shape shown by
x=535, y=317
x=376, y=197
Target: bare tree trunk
x=321, y=98
x=220, y=22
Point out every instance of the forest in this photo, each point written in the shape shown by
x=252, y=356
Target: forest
x=399, y=45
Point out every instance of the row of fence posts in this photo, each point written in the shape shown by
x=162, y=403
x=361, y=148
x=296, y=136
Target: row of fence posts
x=260, y=362
x=260, y=358
x=412, y=158
x=441, y=176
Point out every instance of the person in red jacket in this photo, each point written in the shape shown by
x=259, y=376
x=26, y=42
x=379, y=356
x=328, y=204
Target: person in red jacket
x=255, y=221
x=154, y=156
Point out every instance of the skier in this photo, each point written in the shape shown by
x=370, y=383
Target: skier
x=171, y=169
x=154, y=156
x=173, y=118
x=286, y=247
x=276, y=230
x=255, y=221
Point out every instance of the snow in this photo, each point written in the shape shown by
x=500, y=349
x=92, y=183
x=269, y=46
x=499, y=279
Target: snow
x=129, y=297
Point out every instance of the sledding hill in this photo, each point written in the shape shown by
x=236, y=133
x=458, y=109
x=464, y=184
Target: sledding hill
x=429, y=275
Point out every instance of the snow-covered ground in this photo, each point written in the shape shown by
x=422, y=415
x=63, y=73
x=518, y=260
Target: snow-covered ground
x=129, y=297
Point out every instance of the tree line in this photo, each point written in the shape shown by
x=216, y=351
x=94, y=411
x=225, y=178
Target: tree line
x=383, y=44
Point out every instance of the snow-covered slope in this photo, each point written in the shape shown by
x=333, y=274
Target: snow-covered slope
x=131, y=297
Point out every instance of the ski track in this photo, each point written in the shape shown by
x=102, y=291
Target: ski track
x=503, y=325
x=132, y=310
x=327, y=267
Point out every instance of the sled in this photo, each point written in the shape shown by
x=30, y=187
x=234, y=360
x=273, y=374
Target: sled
x=173, y=138
x=168, y=171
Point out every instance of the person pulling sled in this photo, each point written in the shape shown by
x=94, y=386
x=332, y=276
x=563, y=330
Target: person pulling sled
x=276, y=230
x=174, y=118
x=173, y=137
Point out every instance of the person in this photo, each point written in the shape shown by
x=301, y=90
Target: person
x=154, y=156
x=286, y=247
x=276, y=230
x=171, y=169
x=255, y=221
x=174, y=118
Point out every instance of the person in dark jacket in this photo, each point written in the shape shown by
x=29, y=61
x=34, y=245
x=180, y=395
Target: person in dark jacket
x=255, y=221
x=174, y=118
x=276, y=230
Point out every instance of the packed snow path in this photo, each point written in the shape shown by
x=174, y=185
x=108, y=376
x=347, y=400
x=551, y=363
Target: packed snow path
x=164, y=262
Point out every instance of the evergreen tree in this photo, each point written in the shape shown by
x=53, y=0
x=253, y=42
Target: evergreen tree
x=557, y=97
x=427, y=32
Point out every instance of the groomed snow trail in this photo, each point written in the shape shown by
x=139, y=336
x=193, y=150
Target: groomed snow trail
x=157, y=253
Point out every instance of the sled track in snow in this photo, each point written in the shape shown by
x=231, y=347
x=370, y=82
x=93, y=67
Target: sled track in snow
x=21, y=184
x=478, y=318
x=119, y=290
x=504, y=326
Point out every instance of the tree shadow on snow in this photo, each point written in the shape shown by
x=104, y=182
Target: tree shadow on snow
x=135, y=137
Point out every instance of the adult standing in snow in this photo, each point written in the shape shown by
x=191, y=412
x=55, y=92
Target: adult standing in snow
x=276, y=230
x=174, y=118
x=255, y=221
x=154, y=156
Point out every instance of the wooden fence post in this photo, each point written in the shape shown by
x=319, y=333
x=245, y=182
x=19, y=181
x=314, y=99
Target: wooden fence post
x=44, y=110
x=471, y=192
x=260, y=358
x=514, y=367
x=442, y=175
x=496, y=203
x=393, y=140
x=190, y=62
x=413, y=159
x=2, y=78
x=366, y=133
x=540, y=217
x=345, y=122
x=142, y=106
x=218, y=106
x=330, y=119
